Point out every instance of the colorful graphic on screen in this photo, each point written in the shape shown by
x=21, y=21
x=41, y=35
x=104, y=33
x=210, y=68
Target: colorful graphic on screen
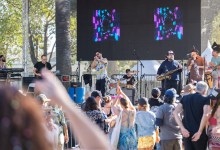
x=106, y=25
x=168, y=23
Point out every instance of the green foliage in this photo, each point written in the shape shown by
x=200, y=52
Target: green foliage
x=11, y=30
x=73, y=34
x=123, y=65
x=42, y=24
x=215, y=32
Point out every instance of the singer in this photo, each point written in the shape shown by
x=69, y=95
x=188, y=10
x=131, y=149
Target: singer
x=100, y=65
x=169, y=65
x=195, y=66
x=40, y=65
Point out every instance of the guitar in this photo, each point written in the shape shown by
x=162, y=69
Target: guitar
x=166, y=75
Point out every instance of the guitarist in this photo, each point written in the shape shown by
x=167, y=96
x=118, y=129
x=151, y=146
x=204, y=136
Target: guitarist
x=40, y=65
x=195, y=66
x=130, y=79
x=167, y=65
x=215, y=64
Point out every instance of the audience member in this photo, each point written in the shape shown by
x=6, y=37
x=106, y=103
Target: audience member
x=146, y=127
x=155, y=100
x=93, y=112
x=21, y=122
x=213, y=130
x=89, y=135
x=127, y=137
x=195, y=108
x=170, y=136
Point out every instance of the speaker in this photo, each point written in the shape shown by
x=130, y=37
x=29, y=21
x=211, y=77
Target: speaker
x=26, y=81
x=130, y=93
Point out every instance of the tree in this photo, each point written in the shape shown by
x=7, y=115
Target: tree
x=10, y=30
x=63, y=40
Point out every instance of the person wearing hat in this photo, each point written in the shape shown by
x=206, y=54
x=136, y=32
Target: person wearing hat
x=195, y=66
x=195, y=109
x=215, y=64
x=146, y=127
x=167, y=66
x=170, y=136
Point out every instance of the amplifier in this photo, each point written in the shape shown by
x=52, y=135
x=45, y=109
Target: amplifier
x=130, y=93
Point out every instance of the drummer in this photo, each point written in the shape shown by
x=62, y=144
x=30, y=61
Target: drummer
x=129, y=77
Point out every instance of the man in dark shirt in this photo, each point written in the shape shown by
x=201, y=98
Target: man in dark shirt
x=195, y=109
x=169, y=65
x=40, y=65
x=130, y=80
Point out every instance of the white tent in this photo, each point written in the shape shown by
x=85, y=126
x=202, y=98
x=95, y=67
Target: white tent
x=150, y=67
x=207, y=53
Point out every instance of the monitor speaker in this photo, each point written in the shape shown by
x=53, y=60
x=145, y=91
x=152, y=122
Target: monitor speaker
x=130, y=93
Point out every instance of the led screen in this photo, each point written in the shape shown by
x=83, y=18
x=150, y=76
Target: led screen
x=137, y=29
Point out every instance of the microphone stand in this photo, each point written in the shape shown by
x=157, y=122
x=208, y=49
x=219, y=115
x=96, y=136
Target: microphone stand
x=142, y=66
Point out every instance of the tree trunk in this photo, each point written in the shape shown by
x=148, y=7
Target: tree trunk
x=45, y=38
x=63, y=40
x=32, y=49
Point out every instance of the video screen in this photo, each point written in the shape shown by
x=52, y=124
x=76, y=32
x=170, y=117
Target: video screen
x=117, y=28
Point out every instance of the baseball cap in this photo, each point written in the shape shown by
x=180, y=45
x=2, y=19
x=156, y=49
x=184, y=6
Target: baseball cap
x=171, y=93
x=170, y=52
x=43, y=97
x=96, y=93
x=143, y=101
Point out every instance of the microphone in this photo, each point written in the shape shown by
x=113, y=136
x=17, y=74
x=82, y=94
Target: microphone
x=188, y=54
x=134, y=51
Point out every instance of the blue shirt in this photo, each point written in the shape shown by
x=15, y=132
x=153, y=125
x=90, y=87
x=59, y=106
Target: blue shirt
x=168, y=66
x=145, y=121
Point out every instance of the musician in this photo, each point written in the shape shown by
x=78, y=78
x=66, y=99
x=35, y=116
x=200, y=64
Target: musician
x=169, y=64
x=195, y=66
x=2, y=66
x=215, y=65
x=40, y=65
x=100, y=65
x=129, y=77
x=2, y=62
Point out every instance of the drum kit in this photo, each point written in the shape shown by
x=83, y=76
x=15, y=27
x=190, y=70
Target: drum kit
x=112, y=85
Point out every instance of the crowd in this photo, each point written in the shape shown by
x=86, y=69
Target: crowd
x=167, y=123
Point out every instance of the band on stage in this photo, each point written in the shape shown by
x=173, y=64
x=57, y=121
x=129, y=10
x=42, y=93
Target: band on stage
x=169, y=72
